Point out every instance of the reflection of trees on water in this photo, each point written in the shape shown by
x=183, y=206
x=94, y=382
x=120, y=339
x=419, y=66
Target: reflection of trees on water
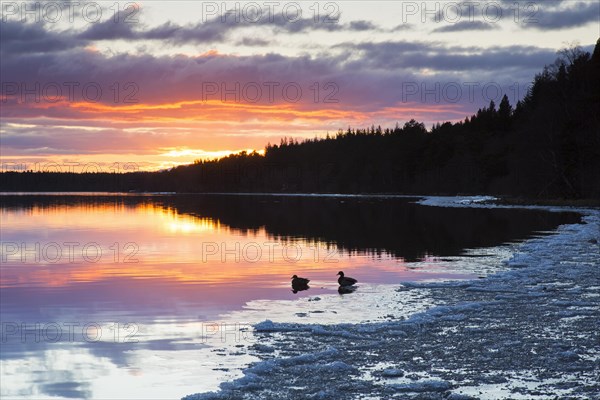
x=362, y=224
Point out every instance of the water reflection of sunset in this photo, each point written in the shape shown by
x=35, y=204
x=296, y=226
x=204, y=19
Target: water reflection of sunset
x=151, y=242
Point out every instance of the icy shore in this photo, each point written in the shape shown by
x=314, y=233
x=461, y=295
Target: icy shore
x=531, y=332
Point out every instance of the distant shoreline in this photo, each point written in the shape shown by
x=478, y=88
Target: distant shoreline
x=502, y=200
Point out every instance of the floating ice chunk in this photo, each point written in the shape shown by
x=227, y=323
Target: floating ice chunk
x=392, y=373
x=455, y=317
x=429, y=284
x=263, y=348
x=337, y=366
x=458, y=396
x=270, y=326
x=266, y=326
x=458, y=201
x=568, y=356
x=423, y=386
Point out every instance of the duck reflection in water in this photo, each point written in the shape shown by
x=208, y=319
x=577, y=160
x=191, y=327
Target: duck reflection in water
x=346, y=289
x=299, y=284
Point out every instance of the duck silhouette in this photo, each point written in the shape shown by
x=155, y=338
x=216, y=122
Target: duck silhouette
x=299, y=284
x=345, y=281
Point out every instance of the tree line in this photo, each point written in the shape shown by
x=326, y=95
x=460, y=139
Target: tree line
x=547, y=145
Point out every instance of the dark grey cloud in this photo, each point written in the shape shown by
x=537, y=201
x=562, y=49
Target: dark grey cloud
x=67, y=389
x=17, y=37
x=542, y=15
x=197, y=33
x=402, y=27
x=52, y=140
x=110, y=30
x=523, y=3
x=119, y=28
x=213, y=30
x=251, y=42
x=361, y=26
x=467, y=26
x=399, y=46
x=282, y=24
x=438, y=57
x=577, y=14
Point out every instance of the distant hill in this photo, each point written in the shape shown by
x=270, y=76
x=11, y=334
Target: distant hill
x=547, y=145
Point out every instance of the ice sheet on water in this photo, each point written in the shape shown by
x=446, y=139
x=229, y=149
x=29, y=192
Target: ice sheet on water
x=457, y=201
x=371, y=303
x=492, y=338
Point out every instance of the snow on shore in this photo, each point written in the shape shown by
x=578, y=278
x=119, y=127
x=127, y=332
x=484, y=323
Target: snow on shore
x=531, y=332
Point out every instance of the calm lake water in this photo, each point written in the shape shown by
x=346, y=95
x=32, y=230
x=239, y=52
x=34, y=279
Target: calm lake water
x=151, y=296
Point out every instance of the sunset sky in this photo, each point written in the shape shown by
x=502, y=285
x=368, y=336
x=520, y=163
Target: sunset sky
x=151, y=85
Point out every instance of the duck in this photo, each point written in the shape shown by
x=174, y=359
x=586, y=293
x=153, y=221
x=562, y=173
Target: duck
x=299, y=284
x=345, y=280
